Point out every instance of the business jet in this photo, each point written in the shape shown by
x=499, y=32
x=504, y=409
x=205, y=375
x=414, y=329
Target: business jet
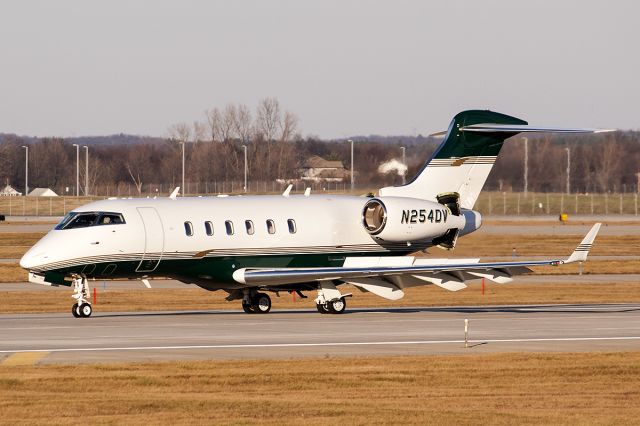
x=249, y=246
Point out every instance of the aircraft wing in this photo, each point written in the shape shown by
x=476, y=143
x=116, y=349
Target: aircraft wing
x=372, y=274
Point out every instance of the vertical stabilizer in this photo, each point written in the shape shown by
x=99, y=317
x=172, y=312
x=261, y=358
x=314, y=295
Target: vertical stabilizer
x=463, y=161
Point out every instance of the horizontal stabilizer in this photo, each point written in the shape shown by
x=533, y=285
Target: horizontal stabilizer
x=526, y=128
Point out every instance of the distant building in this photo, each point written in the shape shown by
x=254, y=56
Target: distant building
x=318, y=169
x=42, y=192
x=9, y=191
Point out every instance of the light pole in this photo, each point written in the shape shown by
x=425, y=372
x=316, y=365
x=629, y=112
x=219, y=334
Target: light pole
x=77, y=169
x=86, y=170
x=352, y=180
x=526, y=166
x=245, y=167
x=404, y=162
x=26, y=170
x=568, y=170
x=183, y=190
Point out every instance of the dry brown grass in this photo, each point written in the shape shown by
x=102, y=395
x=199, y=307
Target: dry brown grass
x=15, y=244
x=500, y=389
x=197, y=299
x=11, y=273
x=484, y=245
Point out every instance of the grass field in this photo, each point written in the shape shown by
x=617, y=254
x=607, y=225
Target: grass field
x=501, y=389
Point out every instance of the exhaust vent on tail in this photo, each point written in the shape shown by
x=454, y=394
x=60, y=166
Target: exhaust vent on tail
x=451, y=200
x=448, y=240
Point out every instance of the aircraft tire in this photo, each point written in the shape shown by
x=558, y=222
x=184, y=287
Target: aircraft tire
x=85, y=310
x=261, y=303
x=246, y=307
x=75, y=311
x=337, y=306
x=322, y=308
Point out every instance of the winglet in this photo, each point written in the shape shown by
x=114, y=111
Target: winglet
x=175, y=192
x=581, y=252
x=287, y=191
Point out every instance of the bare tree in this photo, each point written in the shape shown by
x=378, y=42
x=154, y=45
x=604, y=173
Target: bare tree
x=180, y=132
x=214, y=120
x=199, y=131
x=268, y=118
x=607, y=165
x=288, y=127
x=228, y=122
x=243, y=124
x=136, y=178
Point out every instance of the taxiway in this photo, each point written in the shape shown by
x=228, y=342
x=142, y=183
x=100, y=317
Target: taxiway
x=188, y=335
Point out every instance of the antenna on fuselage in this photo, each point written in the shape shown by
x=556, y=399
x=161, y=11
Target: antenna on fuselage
x=175, y=193
x=287, y=191
x=307, y=192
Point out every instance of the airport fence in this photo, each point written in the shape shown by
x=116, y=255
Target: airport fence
x=489, y=203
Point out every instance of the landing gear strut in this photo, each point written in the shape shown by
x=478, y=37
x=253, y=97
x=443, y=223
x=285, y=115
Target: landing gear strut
x=330, y=300
x=256, y=303
x=334, y=307
x=82, y=308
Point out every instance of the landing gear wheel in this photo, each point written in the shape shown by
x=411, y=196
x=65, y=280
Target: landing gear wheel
x=261, y=303
x=322, y=308
x=75, y=311
x=247, y=308
x=85, y=310
x=337, y=306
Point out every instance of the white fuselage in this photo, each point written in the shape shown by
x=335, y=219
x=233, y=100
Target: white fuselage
x=157, y=231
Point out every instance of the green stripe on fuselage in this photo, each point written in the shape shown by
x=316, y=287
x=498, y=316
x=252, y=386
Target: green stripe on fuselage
x=218, y=271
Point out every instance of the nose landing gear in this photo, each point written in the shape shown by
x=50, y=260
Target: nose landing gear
x=82, y=308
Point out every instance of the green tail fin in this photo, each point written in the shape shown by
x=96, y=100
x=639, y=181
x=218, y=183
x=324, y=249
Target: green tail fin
x=458, y=144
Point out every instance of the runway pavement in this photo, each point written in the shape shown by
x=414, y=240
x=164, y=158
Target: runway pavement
x=120, y=337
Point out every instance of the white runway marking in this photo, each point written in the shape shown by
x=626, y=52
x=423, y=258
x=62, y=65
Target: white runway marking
x=303, y=345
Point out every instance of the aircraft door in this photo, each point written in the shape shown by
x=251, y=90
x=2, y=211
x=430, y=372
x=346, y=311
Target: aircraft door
x=153, y=239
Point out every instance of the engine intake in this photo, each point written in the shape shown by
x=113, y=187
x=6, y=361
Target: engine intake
x=374, y=216
x=399, y=219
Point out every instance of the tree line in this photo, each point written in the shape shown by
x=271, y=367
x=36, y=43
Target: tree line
x=214, y=152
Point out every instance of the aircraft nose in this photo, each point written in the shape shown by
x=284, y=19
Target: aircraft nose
x=31, y=258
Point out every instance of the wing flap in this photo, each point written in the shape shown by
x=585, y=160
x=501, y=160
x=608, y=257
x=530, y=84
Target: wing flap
x=380, y=288
x=443, y=281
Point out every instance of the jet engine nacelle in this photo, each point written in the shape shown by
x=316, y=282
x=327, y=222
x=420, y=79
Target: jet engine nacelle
x=399, y=219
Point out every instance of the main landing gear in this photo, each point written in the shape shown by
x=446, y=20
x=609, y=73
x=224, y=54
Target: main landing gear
x=330, y=300
x=334, y=307
x=82, y=308
x=256, y=303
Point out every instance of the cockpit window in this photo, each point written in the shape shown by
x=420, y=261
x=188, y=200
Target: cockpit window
x=86, y=219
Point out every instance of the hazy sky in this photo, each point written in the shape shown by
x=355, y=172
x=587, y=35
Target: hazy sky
x=344, y=67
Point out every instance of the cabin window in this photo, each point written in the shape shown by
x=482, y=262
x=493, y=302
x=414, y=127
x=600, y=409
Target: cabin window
x=249, y=225
x=292, y=226
x=188, y=229
x=271, y=226
x=229, y=226
x=208, y=227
